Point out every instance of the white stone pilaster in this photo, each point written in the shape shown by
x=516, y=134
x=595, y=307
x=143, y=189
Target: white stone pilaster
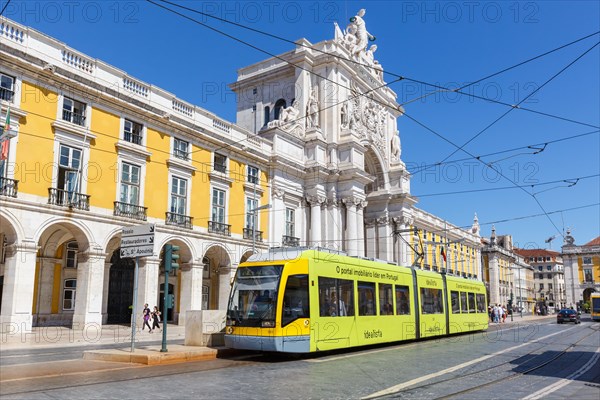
x=385, y=241
x=105, y=284
x=148, y=284
x=360, y=226
x=88, y=298
x=351, y=226
x=371, y=232
x=191, y=289
x=277, y=227
x=224, y=286
x=315, y=219
x=17, y=292
x=45, y=285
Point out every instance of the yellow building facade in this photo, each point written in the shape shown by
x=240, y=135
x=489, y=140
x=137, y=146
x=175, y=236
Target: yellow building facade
x=89, y=150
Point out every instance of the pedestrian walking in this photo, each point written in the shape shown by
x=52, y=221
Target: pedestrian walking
x=155, y=319
x=146, y=315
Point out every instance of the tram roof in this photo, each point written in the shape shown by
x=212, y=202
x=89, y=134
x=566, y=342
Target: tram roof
x=288, y=253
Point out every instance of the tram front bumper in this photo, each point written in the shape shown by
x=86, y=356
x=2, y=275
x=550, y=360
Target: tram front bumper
x=286, y=344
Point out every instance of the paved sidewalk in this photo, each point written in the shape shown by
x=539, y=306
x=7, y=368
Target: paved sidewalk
x=92, y=334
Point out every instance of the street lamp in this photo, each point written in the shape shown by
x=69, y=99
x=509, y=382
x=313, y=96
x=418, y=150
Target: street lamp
x=254, y=211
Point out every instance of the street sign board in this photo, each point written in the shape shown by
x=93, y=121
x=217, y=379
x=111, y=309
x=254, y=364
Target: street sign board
x=137, y=241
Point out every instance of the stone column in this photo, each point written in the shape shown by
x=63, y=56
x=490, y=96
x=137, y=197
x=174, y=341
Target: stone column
x=371, y=231
x=494, y=278
x=360, y=226
x=88, y=297
x=351, y=225
x=107, y=265
x=384, y=239
x=315, y=219
x=17, y=291
x=148, y=284
x=277, y=227
x=45, y=286
x=334, y=226
x=224, y=286
x=191, y=289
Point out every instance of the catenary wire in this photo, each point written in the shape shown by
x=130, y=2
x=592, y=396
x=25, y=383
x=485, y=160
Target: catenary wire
x=402, y=77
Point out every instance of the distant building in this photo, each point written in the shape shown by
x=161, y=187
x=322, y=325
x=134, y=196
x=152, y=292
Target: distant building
x=549, y=276
x=582, y=269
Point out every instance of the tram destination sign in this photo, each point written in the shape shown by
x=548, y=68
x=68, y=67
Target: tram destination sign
x=137, y=241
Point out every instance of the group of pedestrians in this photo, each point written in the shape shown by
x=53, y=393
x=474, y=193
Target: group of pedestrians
x=497, y=313
x=153, y=315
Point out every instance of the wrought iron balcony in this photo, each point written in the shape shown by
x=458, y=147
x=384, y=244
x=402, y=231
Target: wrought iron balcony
x=181, y=154
x=8, y=187
x=219, y=228
x=257, y=234
x=6, y=94
x=75, y=118
x=181, y=220
x=59, y=197
x=132, y=138
x=130, y=211
x=290, y=241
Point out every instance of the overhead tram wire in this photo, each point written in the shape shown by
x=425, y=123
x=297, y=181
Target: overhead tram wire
x=281, y=59
x=531, y=146
x=511, y=187
x=4, y=8
x=386, y=105
x=402, y=77
x=524, y=99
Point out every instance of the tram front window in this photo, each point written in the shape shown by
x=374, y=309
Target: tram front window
x=253, y=300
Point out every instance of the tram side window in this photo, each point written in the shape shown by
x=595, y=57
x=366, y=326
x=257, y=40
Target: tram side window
x=386, y=299
x=366, y=298
x=463, y=303
x=455, y=302
x=431, y=301
x=336, y=297
x=402, y=300
x=295, y=299
x=481, y=303
x=471, y=302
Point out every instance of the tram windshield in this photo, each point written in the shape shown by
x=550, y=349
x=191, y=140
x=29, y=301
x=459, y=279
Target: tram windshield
x=253, y=300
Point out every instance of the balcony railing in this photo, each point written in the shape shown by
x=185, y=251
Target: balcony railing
x=181, y=154
x=130, y=211
x=290, y=241
x=59, y=197
x=75, y=118
x=8, y=187
x=219, y=228
x=6, y=94
x=257, y=234
x=181, y=220
x=132, y=138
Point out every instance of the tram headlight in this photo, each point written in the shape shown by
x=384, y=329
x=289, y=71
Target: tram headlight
x=229, y=330
x=268, y=324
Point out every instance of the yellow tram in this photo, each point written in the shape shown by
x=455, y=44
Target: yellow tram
x=300, y=301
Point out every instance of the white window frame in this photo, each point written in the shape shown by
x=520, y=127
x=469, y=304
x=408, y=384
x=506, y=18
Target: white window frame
x=224, y=206
x=289, y=222
x=84, y=114
x=177, y=197
x=124, y=131
x=69, y=168
x=71, y=250
x=178, y=152
x=72, y=290
x=225, y=159
x=253, y=174
x=122, y=164
x=12, y=88
x=251, y=203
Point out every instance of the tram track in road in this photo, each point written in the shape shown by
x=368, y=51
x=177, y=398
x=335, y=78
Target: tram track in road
x=407, y=387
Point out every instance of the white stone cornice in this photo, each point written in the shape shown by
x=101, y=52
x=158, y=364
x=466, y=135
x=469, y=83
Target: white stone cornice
x=134, y=149
x=73, y=129
x=315, y=200
x=177, y=164
x=220, y=177
x=249, y=188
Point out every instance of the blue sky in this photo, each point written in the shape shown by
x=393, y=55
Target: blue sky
x=449, y=44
